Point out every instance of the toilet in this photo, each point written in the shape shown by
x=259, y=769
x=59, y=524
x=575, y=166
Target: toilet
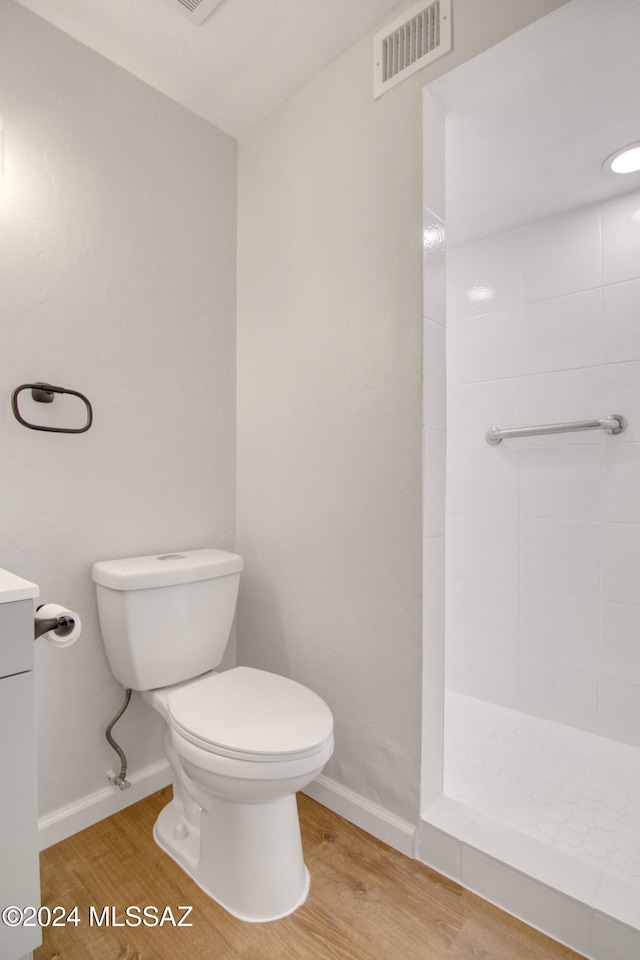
x=240, y=742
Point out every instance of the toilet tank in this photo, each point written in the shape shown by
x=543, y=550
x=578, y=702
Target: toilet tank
x=166, y=618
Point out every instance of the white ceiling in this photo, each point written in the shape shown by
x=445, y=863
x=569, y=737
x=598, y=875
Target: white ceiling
x=530, y=121
x=245, y=60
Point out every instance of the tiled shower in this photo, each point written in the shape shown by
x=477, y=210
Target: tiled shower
x=542, y=540
x=542, y=722
x=544, y=546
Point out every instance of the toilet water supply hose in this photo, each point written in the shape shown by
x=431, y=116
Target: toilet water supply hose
x=120, y=779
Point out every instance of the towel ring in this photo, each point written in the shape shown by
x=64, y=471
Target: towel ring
x=44, y=393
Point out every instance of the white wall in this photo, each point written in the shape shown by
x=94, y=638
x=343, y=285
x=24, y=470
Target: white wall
x=117, y=278
x=545, y=567
x=329, y=415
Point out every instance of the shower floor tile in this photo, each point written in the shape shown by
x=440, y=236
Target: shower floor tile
x=572, y=790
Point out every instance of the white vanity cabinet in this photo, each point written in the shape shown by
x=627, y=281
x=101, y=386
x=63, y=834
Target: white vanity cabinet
x=19, y=870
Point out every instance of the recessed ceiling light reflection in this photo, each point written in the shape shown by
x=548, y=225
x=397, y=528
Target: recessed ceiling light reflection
x=625, y=160
x=480, y=292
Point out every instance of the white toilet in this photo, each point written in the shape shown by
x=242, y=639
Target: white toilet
x=240, y=743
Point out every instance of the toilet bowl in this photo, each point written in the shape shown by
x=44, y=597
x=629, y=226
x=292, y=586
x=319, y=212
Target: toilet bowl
x=243, y=742
x=240, y=742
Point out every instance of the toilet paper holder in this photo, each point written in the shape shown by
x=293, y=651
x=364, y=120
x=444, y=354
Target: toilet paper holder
x=45, y=393
x=40, y=627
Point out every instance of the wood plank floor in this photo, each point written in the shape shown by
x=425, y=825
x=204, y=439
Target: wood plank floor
x=367, y=902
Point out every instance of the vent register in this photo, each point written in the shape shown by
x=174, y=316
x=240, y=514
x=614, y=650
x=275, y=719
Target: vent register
x=421, y=35
x=196, y=10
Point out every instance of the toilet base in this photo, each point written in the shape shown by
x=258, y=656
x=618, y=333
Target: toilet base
x=246, y=857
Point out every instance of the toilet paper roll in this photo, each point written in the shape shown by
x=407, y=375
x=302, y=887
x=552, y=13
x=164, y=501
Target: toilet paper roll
x=65, y=635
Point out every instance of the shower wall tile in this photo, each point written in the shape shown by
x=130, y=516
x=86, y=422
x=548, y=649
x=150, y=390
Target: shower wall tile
x=485, y=347
x=564, y=918
x=473, y=408
x=432, y=721
x=484, y=615
x=621, y=239
x=621, y=484
x=486, y=548
x=483, y=278
x=561, y=483
x=448, y=545
x=621, y=394
x=560, y=255
x=621, y=562
x=543, y=541
x=486, y=674
x=615, y=941
x=617, y=899
x=620, y=643
x=433, y=590
x=449, y=648
x=621, y=330
x=558, y=556
x=619, y=711
x=565, y=696
x=434, y=447
x=434, y=402
x=559, y=630
x=485, y=482
x=434, y=268
x=561, y=333
x=558, y=397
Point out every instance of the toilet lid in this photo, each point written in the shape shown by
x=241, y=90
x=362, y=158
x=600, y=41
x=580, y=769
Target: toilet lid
x=251, y=714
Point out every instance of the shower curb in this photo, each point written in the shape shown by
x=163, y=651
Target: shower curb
x=578, y=905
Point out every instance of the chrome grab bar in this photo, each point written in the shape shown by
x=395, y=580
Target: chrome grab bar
x=613, y=424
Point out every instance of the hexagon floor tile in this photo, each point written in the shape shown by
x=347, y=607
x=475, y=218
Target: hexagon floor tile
x=573, y=790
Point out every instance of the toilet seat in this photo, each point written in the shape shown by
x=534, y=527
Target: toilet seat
x=249, y=714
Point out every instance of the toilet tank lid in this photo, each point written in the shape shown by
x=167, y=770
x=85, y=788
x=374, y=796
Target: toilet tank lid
x=186, y=566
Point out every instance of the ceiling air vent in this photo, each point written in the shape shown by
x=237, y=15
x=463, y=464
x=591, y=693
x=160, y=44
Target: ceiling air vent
x=417, y=38
x=196, y=10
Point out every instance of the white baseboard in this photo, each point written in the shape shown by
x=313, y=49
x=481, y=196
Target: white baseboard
x=369, y=816
x=65, y=821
